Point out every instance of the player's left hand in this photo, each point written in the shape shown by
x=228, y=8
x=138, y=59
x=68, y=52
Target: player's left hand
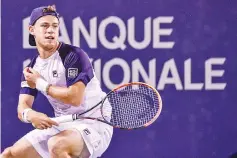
x=31, y=75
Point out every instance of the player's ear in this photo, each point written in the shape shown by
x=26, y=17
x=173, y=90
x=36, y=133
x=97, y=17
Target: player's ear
x=31, y=30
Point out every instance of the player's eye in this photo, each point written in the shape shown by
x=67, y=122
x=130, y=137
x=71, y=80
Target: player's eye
x=55, y=26
x=44, y=25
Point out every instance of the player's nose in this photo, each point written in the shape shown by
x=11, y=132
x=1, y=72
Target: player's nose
x=50, y=29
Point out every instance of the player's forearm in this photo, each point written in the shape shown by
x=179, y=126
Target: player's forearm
x=66, y=95
x=25, y=102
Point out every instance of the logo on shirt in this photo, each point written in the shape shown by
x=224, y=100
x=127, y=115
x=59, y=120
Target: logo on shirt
x=86, y=131
x=55, y=73
x=72, y=72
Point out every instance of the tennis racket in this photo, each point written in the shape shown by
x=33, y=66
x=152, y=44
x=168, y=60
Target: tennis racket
x=129, y=106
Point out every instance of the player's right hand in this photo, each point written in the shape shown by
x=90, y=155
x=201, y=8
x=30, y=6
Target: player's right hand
x=30, y=83
x=40, y=120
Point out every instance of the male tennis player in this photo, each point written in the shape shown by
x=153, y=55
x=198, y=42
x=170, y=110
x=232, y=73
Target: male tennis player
x=64, y=74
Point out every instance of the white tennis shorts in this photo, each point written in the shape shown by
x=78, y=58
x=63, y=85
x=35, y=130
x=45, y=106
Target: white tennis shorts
x=96, y=135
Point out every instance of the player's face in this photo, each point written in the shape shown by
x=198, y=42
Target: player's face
x=46, y=31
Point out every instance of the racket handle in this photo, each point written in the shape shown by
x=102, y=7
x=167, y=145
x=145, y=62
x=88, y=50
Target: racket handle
x=62, y=119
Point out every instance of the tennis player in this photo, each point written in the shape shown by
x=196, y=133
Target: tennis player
x=64, y=74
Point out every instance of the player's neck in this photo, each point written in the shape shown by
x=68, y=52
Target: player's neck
x=44, y=54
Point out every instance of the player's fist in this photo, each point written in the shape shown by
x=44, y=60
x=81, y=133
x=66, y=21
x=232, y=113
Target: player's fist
x=29, y=83
x=31, y=75
x=40, y=120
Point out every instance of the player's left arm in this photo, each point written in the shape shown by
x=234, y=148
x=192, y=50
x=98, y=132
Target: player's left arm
x=72, y=95
x=69, y=95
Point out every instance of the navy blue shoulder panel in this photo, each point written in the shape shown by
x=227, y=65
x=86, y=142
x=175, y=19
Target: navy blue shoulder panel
x=32, y=63
x=77, y=64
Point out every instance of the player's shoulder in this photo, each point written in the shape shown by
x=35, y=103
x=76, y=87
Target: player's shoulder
x=70, y=53
x=67, y=49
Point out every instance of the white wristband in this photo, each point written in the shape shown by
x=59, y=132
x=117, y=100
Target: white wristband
x=41, y=85
x=24, y=115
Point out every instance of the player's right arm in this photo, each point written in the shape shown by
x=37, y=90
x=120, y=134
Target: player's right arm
x=25, y=112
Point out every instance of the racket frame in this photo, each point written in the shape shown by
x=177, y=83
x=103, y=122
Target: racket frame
x=79, y=116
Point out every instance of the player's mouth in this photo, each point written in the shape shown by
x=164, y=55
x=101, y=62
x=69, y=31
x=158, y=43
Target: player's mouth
x=50, y=37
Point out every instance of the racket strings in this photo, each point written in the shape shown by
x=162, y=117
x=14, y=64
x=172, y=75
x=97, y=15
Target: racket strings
x=133, y=106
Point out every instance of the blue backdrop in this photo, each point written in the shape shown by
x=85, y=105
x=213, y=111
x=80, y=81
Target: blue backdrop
x=185, y=49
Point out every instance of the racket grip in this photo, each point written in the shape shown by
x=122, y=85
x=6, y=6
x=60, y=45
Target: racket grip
x=62, y=119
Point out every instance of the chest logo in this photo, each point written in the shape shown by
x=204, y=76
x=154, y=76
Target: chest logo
x=55, y=73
